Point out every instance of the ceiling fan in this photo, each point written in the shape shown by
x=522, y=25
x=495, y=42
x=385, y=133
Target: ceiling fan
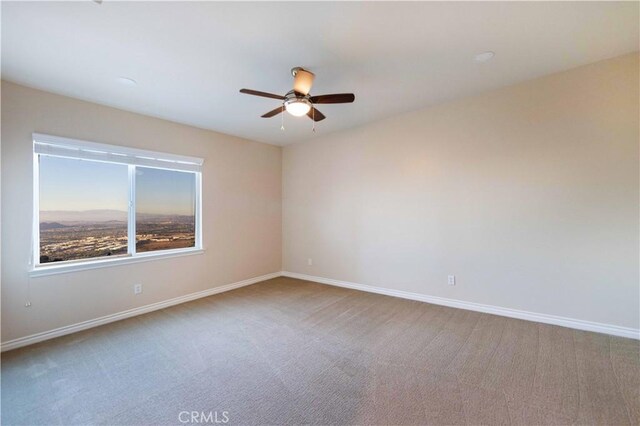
x=298, y=101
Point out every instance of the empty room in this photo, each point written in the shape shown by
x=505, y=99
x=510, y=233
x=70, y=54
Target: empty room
x=320, y=213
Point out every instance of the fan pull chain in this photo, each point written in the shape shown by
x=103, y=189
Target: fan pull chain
x=313, y=118
x=282, y=117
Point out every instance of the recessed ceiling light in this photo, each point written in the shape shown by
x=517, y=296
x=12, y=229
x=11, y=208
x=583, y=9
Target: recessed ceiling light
x=484, y=56
x=126, y=81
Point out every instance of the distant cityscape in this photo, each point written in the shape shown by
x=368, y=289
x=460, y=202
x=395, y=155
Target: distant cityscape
x=72, y=235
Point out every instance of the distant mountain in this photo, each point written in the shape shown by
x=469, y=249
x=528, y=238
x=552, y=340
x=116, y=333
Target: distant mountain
x=51, y=225
x=67, y=217
x=157, y=218
x=64, y=218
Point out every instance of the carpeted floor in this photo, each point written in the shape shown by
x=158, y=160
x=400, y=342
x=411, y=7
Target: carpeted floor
x=287, y=351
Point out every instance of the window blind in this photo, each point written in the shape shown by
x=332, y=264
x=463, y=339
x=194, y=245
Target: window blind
x=83, y=150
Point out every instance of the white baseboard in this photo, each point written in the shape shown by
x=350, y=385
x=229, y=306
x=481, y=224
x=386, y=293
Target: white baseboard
x=496, y=310
x=614, y=330
x=46, y=335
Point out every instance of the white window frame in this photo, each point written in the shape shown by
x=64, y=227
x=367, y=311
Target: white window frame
x=83, y=150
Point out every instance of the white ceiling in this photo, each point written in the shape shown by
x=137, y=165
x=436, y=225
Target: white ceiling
x=190, y=59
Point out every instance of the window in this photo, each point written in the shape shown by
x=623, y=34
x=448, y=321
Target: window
x=96, y=203
x=83, y=209
x=165, y=209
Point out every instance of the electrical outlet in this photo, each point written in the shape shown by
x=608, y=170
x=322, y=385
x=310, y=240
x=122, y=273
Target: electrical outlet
x=137, y=288
x=451, y=280
x=310, y=262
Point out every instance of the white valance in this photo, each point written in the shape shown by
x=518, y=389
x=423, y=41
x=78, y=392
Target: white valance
x=74, y=148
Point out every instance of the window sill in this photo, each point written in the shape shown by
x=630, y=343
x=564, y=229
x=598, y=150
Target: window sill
x=53, y=269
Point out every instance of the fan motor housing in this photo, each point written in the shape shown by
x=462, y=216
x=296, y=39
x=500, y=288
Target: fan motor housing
x=292, y=94
x=297, y=100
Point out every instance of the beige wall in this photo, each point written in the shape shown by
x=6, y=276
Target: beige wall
x=528, y=194
x=241, y=213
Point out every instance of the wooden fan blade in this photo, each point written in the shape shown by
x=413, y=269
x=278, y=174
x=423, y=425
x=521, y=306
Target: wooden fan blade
x=263, y=94
x=273, y=112
x=315, y=115
x=336, y=98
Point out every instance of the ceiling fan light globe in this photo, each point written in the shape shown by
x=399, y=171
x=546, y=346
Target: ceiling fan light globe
x=297, y=107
